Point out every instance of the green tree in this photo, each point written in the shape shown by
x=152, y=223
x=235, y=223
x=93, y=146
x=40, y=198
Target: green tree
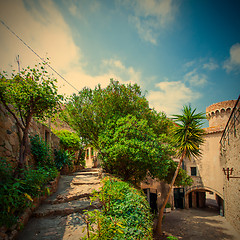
x=30, y=93
x=118, y=122
x=88, y=112
x=131, y=150
x=188, y=136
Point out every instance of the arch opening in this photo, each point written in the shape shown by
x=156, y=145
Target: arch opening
x=205, y=199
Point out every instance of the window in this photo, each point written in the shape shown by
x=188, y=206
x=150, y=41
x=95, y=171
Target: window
x=193, y=171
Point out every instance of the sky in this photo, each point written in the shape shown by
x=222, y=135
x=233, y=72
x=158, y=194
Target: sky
x=179, y=52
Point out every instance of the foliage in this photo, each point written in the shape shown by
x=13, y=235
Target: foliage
x=125, y=213
x=16, y=194
x=89, y=112
x=6, y=170
x=101, y=116
x=41, y=152
x=182, y=179
x=168, y=205
x=30, y=93
x=188, y=133
x=69, y=140
x=130, y=149
x=172, y=238
x=63, y=158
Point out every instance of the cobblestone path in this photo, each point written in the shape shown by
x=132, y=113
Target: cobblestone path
x=59, y=217
x=199, y=224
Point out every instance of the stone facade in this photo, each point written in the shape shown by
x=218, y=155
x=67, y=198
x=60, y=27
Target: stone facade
x=230, y=156
x=210, y=177
x=9, y=136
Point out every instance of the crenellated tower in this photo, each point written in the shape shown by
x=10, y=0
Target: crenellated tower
x=219, y=113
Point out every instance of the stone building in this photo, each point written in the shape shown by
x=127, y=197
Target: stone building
x=220, y=150
x=206, y=171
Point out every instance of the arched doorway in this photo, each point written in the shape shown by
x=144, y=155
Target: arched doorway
x=204, y=198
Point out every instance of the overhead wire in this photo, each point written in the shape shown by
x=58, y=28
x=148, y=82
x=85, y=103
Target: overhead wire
x=9, y=29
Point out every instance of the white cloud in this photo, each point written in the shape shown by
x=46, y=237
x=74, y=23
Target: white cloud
x=211, y=65
x=149, y=16
x=195, y=79
x=122, y=73
x=233, y=63
x=171, y=96
x=50, y=36
x=47, y=34
x=189, y=64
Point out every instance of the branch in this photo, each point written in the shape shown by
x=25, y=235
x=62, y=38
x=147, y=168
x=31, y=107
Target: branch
x=12, y=113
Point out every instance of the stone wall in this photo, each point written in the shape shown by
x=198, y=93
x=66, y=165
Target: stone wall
x=9, y=136
x=231, y=158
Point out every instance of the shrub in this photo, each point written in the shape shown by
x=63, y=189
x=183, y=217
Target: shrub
x=69, y=140
x=16, y=194
x=125, y=213
x=172, y=238
x=41, y=152
x=168, y=205
x=63, y=158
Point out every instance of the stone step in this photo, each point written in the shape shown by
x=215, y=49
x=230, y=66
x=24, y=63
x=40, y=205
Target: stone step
x=73, y=192
x=70, y=227
x=85, y=173
x=90, y=170
x=85, y=183
x=65, y=208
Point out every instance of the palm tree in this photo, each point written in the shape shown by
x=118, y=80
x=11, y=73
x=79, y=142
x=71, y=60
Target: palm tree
x=187, y=136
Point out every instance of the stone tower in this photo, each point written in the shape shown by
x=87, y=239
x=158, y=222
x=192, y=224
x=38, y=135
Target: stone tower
x=219, y=113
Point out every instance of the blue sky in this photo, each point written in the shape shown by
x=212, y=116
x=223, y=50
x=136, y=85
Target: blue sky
x=180, y=52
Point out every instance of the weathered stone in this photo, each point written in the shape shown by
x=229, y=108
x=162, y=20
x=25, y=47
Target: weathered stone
x=8, y=146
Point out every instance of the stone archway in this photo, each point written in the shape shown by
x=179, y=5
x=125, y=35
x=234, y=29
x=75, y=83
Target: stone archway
x=196, y=196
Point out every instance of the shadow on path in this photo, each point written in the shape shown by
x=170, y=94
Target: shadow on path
x=198, y=224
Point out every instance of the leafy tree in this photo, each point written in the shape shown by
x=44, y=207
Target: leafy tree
x=30, y=93
x=118, y=122
x=131, y=150
x=188, y=137
x=88, y=112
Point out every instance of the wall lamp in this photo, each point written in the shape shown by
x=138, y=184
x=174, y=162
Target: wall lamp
x=228, y=172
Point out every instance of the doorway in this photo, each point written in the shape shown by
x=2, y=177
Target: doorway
x=179, y=198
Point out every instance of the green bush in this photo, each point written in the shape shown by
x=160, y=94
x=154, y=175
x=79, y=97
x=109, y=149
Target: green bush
x=69, y=140
x=168, y=205
x=172, y=238
x=125, y=213
x=63, y=158
x=41, y=152
x=16, y=194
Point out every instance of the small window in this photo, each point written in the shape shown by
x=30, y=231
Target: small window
x=193, y=171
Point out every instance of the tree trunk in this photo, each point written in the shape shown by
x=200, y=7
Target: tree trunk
x=160, y=215
x=24, y=142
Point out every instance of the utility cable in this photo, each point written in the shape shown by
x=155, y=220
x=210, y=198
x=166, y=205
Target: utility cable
x=5, y=25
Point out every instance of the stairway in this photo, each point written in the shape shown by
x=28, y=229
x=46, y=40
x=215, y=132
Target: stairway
x=60, y=216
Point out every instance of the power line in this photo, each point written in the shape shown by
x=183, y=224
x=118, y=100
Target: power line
x=5, y=25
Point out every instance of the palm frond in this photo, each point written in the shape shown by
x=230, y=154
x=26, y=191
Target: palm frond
x=188, y=132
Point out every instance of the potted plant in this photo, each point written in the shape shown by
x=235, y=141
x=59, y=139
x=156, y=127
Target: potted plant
x=167, y=208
